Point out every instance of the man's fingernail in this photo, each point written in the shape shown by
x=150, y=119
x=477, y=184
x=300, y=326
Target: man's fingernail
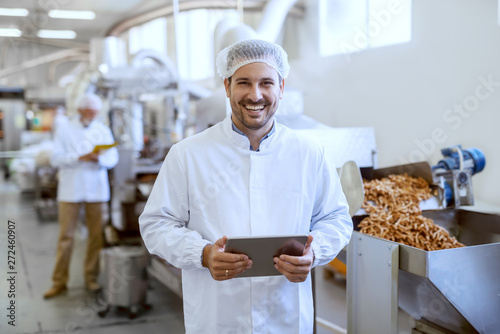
x=282, y=257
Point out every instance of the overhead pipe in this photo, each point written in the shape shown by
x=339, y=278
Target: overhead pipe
x=177, y=35
x=6, y=44
x=71, y=75
x=168, y=10
x=273, y=18
x=51, y=72
x=240, y=9
x=161, y=60
x=55, y=56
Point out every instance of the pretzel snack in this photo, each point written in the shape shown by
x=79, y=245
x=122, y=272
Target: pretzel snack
x=394, y=213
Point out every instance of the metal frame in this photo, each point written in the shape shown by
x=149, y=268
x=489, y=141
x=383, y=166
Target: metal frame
x=372, y=268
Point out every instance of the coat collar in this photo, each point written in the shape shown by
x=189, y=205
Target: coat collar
x=243, y=142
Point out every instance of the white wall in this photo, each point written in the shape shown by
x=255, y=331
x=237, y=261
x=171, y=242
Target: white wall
x=407, y=92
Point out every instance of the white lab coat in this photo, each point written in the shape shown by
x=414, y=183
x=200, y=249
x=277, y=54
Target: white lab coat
x=82, y=181
x=212, y=185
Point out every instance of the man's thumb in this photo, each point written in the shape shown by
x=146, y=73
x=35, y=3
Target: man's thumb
x=308, y=242
x=221, y=242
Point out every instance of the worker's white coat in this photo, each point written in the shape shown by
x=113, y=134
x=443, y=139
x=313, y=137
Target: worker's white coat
x=212, y=185
x=82, y=181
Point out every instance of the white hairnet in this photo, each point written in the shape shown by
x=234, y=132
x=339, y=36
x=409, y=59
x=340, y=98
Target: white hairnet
x=252, y=51
x=90, y=101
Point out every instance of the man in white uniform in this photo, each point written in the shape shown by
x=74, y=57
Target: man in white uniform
x=83, y=180
x=246, y=176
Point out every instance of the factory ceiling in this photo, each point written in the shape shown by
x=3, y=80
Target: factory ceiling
x=110, y=15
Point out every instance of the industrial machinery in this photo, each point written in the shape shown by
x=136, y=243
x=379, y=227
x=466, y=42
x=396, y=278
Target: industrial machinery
x=45, y=201
x=455, y=171
x=444, y=291
x=12, y=122
x=148, y=112
x=125, y=279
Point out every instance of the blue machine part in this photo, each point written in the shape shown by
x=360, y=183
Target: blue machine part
x=448, y=192
x=478, y=157
x=473, y=159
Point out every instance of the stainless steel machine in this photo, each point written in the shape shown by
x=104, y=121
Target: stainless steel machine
x=444, y=291
x=454, y=174
x=125, y=279
x=150, y=109
x=145, y=102
x=12, y=122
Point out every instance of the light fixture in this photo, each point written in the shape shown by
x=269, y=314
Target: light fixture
x=10, y=32
x=72, y=14
x=56, y=34
x=14, y=12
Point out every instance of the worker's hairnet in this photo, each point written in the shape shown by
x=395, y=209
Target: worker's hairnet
x=89, y=101
x=252, y=51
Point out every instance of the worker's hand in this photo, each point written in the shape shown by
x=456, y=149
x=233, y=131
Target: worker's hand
x=224, y=266
x=296, y=268
x=94, y=157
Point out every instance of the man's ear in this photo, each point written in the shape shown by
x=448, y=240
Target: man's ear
x=282, y=88
x=226, y=85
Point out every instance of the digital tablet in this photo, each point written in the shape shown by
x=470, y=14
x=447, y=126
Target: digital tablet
x=262, y=250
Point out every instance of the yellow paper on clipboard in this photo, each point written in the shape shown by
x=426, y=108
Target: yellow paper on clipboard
x=102, y=148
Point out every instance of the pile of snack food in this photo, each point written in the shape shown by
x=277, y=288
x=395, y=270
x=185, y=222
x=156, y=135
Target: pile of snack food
x=394, y=213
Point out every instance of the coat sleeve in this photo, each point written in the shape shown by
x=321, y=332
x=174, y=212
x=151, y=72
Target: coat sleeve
x=163, y=223
x=331, y=224
x=60, y=156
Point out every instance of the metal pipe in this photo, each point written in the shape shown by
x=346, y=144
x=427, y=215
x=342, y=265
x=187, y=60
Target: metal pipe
x=239, y=6
x=41, y=60
x=273, y=17
x=175, y=7
x=51, y=71
x=4, y=47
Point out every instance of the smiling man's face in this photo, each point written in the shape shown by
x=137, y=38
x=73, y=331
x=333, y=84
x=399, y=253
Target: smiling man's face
x=254, y=92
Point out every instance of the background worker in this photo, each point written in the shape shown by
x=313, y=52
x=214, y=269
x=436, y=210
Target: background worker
x=246, y=176
x=83, y=180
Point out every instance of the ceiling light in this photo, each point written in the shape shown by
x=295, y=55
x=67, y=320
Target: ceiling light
x=57, y=34
x=10, y=32
x=72, y=14
x=13, y=12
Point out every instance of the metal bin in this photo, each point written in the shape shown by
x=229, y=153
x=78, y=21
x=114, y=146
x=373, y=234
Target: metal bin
x=125, y=278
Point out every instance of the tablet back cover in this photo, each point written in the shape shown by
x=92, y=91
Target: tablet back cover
x=262, y=251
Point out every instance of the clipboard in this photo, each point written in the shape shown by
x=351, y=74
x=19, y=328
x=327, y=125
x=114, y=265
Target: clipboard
x=100, y=148
x=262, y=250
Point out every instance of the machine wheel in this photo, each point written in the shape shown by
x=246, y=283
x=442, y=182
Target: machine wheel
x=132, y=312
x=102, y=313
